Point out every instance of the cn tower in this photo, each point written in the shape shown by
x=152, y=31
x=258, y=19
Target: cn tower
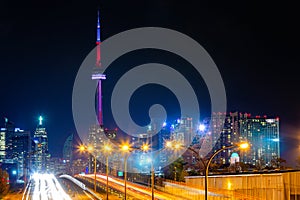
x=98, y=75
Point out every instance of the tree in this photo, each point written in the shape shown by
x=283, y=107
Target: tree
x=4, y=186
x=175, y=170
x=278, y=163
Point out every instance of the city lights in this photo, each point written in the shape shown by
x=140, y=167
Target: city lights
x=107, y=148
x=125, y=147
x=81, y=148
x=169, y=144
x=135, y=130
x=201, y=127
x=244, y=145
x=145, y=147
x=90, y=148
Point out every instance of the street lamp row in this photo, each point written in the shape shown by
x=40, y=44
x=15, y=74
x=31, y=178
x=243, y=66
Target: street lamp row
x=174, y=145
x=107, y=149
x=126, y=148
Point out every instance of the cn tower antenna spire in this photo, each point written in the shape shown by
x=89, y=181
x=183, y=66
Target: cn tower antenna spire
x=98, y=41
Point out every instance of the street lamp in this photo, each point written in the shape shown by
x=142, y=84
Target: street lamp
x=107, y=150
x=127, y=149
x=83, y=148
x=243, y=145
x=168, y=145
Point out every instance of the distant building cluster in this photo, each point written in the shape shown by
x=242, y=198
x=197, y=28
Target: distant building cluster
x=226, y=129
x=221, y=130
x=211, y=134
x=15, y=148
x=22, y=154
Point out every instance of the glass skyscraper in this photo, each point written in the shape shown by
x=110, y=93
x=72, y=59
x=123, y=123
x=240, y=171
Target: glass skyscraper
x=263, y=135
x=41, y=156
x=14, y=148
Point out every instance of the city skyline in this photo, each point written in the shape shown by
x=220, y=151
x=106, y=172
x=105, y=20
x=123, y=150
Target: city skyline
x=248, y=50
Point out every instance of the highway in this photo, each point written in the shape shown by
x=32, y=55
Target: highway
x=74, y=191
x=44, y=187
x=135, y=190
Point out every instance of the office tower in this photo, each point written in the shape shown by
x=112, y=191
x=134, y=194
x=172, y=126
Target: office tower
x=96, y=140
x=68, y=149
x=2, y=144
x=41, y=154
x=20, y=150
x=182, y=131
x=14, y=148
x=7, y=134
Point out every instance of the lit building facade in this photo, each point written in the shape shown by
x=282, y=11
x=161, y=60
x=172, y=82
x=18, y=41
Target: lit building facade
x=226, y=129
x=225, y=132
x=2, y=144
x=20, y=150
x=6, y=134
x=41, y=155
x=68, y=149
x=14, y=148
x=181, y=130
x=263, y=135
x=96, y=139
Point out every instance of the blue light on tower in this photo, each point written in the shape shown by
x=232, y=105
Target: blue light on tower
x=98, y=29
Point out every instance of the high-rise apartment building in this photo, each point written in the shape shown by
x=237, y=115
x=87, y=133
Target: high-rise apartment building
x=225, y=132
x=263, y=135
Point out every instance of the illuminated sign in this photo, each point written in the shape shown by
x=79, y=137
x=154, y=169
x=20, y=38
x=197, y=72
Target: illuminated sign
x=120, y=173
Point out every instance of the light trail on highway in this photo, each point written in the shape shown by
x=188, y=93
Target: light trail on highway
x=134, y=189
x=44, y=187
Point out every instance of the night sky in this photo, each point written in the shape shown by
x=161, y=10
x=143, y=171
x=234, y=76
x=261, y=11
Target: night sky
x=43, y=43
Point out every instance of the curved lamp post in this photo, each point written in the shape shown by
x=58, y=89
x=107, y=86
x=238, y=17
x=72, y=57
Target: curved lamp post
x=126, y=148
x=107, y=149
x=89, y=149
x=168, y=145
x=240, y=146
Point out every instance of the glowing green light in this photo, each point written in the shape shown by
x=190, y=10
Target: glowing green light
x=40, y=120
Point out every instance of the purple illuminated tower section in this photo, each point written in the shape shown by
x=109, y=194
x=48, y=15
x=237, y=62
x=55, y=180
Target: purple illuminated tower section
x=98, y=75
